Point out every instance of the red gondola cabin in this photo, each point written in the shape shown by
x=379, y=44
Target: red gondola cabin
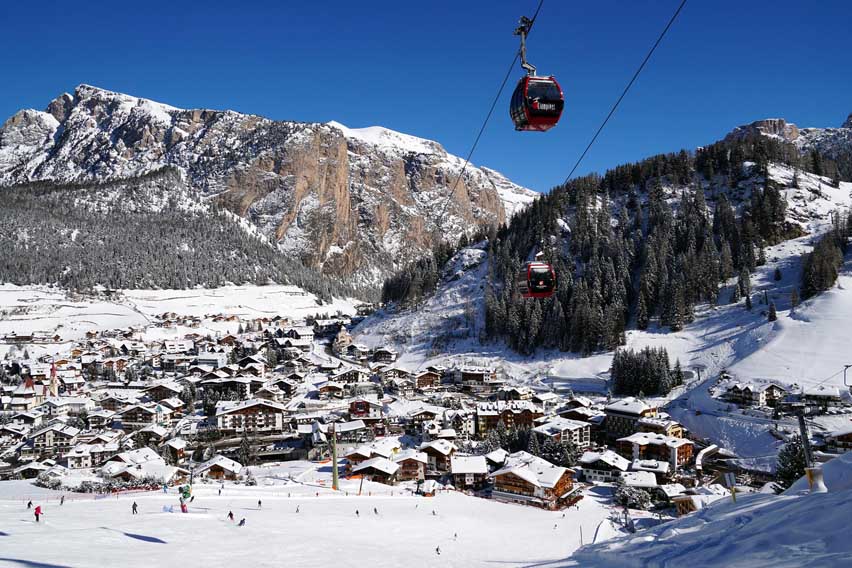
x=537, y=103
x=537, y=280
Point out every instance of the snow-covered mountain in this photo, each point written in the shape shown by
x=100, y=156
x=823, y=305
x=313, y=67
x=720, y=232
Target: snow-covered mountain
x=833, y=143
x=354, y=203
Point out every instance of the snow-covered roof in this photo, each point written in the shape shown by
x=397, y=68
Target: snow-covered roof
x=628, y=405
x=558, y=425
x=646, y=438
x=441, y=446
x=411, y=455
x=468, y=464
x=219, y=460
x=644, y=479
x=654, y=466
x=379, y=464
x=534, y=470
x=608, y=457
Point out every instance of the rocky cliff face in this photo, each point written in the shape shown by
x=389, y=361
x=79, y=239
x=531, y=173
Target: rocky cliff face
x=354, y=203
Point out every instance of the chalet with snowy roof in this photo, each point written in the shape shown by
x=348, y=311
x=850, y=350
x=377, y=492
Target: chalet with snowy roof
x=427, y=380
x=477, y=380
x=822, y=397
x=50, y=440
x=367, y=410
x=138, y=416
x=330, y=389
x=241, y=386
x=357, y=351
x=329, y=327
x=469, y=472
x=661, y=469
x=219, y=467
x=659, y=425
x=404, y=388
x=564, y=430
x=300, y=332
x=513, y=414
x=100, y=418
x=86, y=456
x=840, y=440
x=753, y=394
x=530, y=480
x=546, y=400
x=606, y=466
x=439, y=454
x=649, y=446
x=349, y=375
x=212, y=359
x=256, y=416
x=379, y=469
x=117, y=402
x=622, y=416
x=513, y=393
x=385, y=355
x=162, y=391
x=412, y=465
x=27, y=396
x=60, y=407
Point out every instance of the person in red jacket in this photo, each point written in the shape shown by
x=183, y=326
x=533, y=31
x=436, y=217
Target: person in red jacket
x=37, y=512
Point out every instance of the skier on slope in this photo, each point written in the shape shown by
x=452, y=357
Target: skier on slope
x=375, y=510
x=29, y=505
x=231, y=516
x=37, y=512
x=258, y=504
x=135, y=508
x=242, y=522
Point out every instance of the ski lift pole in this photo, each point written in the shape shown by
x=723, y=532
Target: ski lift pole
x=845, y=383
x=522, y=30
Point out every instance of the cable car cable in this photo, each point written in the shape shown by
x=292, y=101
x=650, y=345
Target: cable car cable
x=627, y=88
x=485, y=122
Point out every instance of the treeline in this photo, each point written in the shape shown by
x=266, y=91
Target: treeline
x=137, y=234
x=512, y=440
x=821, y=267
x=645, y=372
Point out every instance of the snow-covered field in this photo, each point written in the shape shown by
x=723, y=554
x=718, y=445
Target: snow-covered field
x=325, y=532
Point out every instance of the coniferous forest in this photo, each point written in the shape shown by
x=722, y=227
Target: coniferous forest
x=628, y=255
x=72, y=236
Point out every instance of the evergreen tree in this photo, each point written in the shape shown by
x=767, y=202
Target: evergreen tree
x=773, y=315
x=791, y=462
x=246, y=452
x=533, y=446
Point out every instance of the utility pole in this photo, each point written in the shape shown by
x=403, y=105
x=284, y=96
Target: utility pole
x=334, y=475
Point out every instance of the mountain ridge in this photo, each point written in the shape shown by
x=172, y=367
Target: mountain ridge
x=349, y=207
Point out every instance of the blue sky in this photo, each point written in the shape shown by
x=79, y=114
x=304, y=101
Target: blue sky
x=432, y=68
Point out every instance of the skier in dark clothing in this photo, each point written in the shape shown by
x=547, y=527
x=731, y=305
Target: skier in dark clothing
x=220, y=491
x=438, y=550
x=37, y=512
x=357, y=514
x=135, y=507
x=258, y=504
x=243, y=522
x=297, y=508
x=62, y=500
x=30, y=505
x=231, y=516
x=191, y=499
x=375, y=510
